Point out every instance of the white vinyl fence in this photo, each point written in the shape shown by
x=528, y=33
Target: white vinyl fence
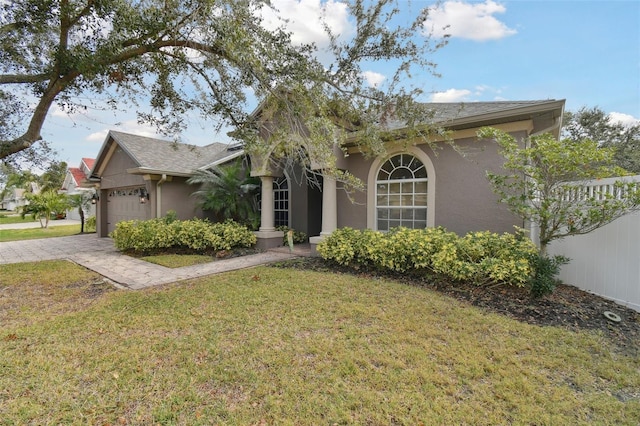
x=606, y=261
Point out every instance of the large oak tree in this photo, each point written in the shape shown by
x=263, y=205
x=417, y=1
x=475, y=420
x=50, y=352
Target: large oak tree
x=213, y=56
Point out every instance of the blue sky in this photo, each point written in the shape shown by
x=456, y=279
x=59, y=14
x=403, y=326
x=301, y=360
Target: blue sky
x=587, y=52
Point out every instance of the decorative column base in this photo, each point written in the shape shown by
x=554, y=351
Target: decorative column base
x=313, y=243
x=269, y=239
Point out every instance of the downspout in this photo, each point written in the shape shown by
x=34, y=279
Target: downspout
x=159, y=195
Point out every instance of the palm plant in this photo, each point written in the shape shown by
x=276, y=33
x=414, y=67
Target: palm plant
x=81, y=202
x=229, y=192
x=42, y=206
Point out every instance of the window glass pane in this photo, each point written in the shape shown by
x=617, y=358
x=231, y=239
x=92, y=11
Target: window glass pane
x=407, y=187
x=401, y=173
x=420, y=172
x=421, y=187
x=421, y=214
x=406, y=214
x=383, y=225
x=383, y=200
x=407, y=200
x=394, y=188
x=383, y=175
x=394, y=200
x=394, y=224
x=396, y=161
x=383, y=214
x=420, y=199
x=382, y=188
x=394, y=214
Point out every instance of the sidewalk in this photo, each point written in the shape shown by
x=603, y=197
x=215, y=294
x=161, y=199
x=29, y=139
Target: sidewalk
x=101, y=256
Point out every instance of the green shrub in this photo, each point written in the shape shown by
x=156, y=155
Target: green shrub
x=350, y=247
x=545, y=272
x=196, y=235
x=90, y=224
x=479, y=257
x=298, y=236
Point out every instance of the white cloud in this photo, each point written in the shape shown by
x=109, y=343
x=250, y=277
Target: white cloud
x=373, y=78
x=60, y=112
x=473, y=21
x=303, y=18
x=625, y=119
x=451, y=95
x=130, y=126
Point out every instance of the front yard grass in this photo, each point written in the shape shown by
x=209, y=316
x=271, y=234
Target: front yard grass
x=286, y=346
x=36, y=233
x=6, y=218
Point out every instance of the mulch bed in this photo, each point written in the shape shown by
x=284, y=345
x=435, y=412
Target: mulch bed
x=567, y=307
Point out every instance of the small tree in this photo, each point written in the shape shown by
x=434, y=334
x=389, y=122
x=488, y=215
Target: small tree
x=42, y=206
x=228, y=192
x=544, y=183
x=81, y=202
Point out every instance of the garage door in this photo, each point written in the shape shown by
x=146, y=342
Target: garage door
x=124, y=204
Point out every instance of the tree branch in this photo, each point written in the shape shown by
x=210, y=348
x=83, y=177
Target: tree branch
x=23, y=78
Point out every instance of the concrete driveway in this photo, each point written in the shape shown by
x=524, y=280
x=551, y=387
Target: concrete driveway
x=101, y=256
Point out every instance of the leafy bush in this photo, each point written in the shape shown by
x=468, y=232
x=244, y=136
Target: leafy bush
x=298, y=236
x=479, y=257
x=545, y=272
x=90, y=224
x=165, y=233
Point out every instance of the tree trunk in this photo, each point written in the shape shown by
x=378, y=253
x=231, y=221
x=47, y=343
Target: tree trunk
x=81, y=212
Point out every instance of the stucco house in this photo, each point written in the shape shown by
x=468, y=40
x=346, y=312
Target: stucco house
x=14, y=199
x=415, y=184
x=139, y=177
x=76, y=181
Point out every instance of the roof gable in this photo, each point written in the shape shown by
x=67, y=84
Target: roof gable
x=159, y=156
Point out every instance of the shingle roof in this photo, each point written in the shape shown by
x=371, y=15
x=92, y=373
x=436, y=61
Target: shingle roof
x=444, y=113
x=168, y=156
x=451, y=111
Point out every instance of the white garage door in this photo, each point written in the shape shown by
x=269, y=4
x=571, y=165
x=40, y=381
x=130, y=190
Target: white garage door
x=124, y=204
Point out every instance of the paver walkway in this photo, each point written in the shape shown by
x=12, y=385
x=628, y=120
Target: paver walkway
x=101, y=256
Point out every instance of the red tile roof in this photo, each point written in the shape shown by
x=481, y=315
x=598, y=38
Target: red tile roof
x=77, y=174
x=89, y=162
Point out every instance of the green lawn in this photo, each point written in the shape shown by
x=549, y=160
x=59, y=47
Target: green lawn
x=6, y=219
x=286, y=346
x=35, y=233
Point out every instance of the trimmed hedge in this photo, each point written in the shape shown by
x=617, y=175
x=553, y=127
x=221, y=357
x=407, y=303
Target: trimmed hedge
x=479, y=257
x=199, y=235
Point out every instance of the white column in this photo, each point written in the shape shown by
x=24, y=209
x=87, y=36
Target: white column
x=329, y=205
x=267, y=221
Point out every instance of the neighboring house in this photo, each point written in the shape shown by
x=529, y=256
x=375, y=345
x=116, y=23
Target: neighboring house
x=15, y=198
x=77, y=182
x=415, y=184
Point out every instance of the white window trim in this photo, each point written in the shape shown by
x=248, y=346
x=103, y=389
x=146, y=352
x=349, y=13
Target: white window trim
x=286, y=177
x=373, y=175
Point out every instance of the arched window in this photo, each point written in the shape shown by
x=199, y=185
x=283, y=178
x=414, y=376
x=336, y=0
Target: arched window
x=401, y=193
x=281, y=201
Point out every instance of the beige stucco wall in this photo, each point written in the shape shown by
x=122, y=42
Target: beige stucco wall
x=114, y=174
x=176, y=195
x=464, y=200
